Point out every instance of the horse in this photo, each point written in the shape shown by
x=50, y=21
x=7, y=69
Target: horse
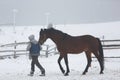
x=67, y=44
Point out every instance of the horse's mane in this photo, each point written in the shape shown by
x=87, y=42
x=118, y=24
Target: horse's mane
x=58, y=31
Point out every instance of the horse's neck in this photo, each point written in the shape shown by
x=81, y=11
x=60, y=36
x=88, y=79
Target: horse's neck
x=56, y=39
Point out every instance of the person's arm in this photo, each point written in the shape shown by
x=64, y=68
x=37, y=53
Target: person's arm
x=28, y=47
x=40, y=47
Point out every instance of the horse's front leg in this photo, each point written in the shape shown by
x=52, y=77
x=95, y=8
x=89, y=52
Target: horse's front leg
x=59, y=62
x=67, y=66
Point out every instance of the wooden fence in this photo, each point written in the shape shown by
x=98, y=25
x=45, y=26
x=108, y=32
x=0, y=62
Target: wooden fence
x=15, y=51
x=107, y=44
x=111, y=44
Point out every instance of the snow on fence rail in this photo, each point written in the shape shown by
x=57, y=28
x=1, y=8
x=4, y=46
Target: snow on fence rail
x=107, y=44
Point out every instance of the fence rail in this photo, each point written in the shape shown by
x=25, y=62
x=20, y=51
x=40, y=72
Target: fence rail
x=110, y=40
x=107, y=44
x=111, y=44
x=15, y=50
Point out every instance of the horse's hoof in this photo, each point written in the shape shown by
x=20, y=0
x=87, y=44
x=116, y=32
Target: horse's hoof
x=63, y=71
x=83, y=73
x=66, y=74
x=101, y=73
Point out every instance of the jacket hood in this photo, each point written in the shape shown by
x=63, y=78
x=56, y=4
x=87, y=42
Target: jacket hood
x=32, y=39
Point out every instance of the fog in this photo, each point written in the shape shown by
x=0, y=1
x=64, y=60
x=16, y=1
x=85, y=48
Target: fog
x=41, y=12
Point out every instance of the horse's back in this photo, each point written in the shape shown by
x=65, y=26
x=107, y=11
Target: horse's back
x=79, y=44
x=85, y=39
x=91, y=42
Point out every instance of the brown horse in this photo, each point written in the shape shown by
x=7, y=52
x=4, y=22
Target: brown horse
x=67, y=44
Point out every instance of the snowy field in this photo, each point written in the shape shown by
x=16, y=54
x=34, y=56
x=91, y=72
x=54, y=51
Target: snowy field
x=17, y=69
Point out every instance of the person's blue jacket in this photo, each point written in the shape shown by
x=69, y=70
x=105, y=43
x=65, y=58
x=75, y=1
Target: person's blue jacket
x=33, y=47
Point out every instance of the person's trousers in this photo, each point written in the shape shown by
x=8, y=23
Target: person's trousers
x=36, y=62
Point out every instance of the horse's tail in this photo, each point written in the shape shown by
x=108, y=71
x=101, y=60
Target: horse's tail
x=101, y=52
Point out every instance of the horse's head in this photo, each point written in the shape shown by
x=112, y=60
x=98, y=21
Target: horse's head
x=53, y=34
x=42, y=36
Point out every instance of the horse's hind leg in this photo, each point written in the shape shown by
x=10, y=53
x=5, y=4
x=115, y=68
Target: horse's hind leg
x=88, y=55
x=61, y=68
x=100, y=61
x=67, y=66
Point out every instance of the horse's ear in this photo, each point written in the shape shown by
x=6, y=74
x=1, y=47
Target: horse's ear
x=41, y=30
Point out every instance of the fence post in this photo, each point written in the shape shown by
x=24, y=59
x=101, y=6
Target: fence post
x=47, y=51
x=103, y=37
x=55, y=49
x=14, y=56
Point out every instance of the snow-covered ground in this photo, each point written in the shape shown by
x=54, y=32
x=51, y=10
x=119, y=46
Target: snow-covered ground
x=17, y=69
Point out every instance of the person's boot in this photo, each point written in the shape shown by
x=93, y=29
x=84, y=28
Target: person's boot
x=43, y=73
x=31, y=73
